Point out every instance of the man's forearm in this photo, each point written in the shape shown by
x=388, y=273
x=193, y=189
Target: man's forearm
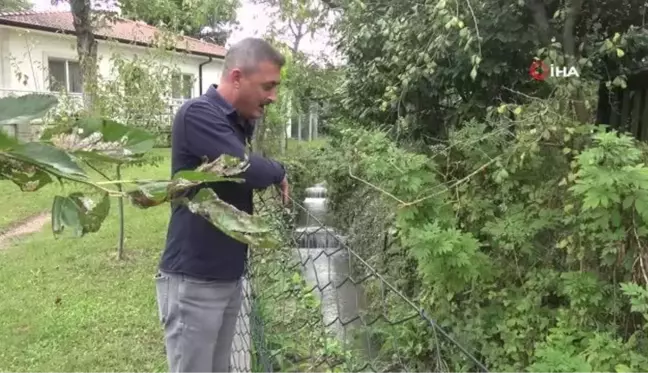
x=263, y=172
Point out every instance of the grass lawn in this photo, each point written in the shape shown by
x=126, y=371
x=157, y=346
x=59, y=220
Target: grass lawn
x=68, y=304
x=16, y=206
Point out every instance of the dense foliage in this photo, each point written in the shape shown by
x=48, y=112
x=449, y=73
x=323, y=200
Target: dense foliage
x=496, y=202
x=15, y=5
x=530, y=248
x=207, y=20
x=418, y=68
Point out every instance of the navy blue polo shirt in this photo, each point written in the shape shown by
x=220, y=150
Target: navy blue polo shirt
x=209, y=126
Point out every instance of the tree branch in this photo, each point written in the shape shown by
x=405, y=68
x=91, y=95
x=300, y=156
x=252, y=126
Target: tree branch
x=298, y=34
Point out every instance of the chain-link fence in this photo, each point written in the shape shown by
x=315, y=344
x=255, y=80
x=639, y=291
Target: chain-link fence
x=315, y=305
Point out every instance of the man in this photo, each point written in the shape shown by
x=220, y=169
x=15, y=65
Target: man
x=199, y=286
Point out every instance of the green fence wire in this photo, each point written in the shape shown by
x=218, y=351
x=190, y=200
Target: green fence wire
x=315, y=306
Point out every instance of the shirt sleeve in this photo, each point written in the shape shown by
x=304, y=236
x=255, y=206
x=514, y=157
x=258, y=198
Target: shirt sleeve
x=211, y=136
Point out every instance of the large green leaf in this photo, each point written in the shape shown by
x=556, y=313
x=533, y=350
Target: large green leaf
x=249, y=229
x=47, y=157
x=23, y=109
x=225, y=165
x=135, y=140
x=150, y=194
x=29, y=165
x=157, y=192
x=154, y=193
x=79, y=212
x=27, y=176
x=101, y=139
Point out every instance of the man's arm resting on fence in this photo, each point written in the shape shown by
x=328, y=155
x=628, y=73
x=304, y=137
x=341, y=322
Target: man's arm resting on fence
x=212, y=136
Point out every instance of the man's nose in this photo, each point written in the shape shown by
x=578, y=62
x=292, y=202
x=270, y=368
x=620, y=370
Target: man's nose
x=273, y=96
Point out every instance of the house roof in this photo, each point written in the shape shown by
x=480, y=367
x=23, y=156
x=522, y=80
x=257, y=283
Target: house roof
x=119, y=29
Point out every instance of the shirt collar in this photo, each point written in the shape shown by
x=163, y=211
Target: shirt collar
x=215, y=97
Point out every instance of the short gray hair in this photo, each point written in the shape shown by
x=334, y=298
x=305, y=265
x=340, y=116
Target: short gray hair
x=249, y=52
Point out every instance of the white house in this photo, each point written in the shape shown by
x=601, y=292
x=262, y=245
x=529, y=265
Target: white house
x=38, y=54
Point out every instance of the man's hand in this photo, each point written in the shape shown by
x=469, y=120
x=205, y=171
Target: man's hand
x=284, y=187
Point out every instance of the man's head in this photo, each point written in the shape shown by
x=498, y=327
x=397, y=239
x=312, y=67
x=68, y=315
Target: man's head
x=250, y=76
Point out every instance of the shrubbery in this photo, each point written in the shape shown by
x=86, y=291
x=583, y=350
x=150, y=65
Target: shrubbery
x=525, y=237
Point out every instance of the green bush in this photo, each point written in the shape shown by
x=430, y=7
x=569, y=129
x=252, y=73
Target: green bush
x=304, y=161
x=524, y=236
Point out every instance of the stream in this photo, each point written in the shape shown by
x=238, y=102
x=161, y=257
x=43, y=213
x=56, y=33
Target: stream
x=326, y=265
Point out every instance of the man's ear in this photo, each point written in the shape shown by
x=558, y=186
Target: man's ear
x=235, y=76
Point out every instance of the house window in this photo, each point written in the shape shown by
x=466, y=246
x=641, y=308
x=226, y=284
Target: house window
x=10, y=130
x=182, y=86
x=65, y=75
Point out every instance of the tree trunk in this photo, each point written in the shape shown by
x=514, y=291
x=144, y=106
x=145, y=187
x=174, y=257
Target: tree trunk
x=122, y=223
x=571, y=54
x=259, y=135
x=86, y=49
x=539, y=13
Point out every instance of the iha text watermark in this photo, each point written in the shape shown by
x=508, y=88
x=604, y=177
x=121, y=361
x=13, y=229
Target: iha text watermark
x=539, y=70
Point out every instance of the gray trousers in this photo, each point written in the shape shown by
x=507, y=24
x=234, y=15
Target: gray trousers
x=199, y=320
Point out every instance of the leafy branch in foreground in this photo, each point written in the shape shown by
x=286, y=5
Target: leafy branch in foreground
x=33, y=165
x=106, y=142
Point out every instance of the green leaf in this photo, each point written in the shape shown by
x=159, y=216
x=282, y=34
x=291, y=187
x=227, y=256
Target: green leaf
x=29, y=178
x=157, y=192
x=102, y=139
x=150, y=194
x=225, y=165
x=136, y=140
x=237, y=224
x=80, y=213
x=616, y=37
x=96, y=156
x=29, y=165
x=23, y=109
x=47, y=157
x=65, y=213
x=619, y=81
x=622, y=368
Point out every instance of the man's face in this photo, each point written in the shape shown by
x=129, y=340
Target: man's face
x=257, y=89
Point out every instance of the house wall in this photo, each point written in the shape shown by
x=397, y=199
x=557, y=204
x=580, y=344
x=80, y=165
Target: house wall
x=24, y=58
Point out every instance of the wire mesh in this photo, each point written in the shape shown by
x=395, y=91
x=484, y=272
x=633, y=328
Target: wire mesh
x=316, y=305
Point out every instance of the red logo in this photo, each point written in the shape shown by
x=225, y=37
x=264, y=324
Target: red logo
x=539, y=70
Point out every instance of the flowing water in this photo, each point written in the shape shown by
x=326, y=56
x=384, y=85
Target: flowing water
x=326, y=264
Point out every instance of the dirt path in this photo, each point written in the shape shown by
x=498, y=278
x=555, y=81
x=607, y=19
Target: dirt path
x=23, y=228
